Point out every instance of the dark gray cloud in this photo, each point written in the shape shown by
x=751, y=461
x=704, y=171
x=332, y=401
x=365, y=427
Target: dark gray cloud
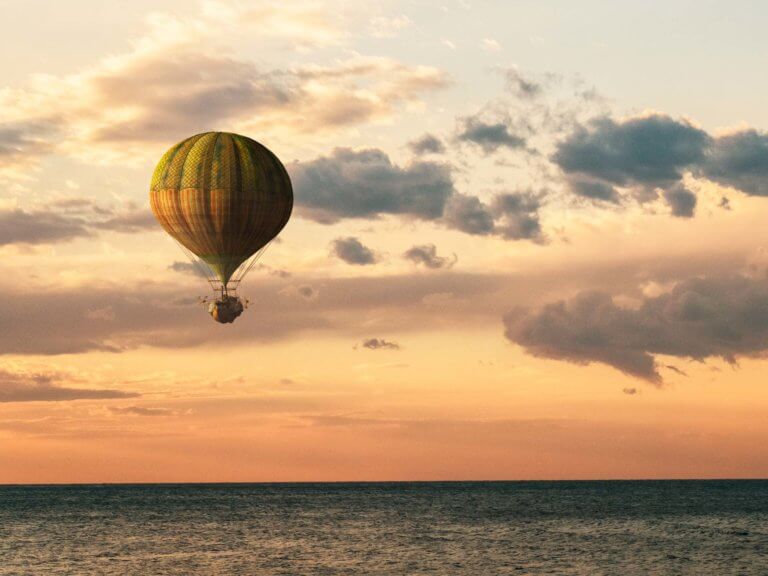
x=700, y=318
x=380, y=344
x=426, y=255
x=740, y=160
x=427, y=144
x=366, y=184
x=654, y=152
x=681, y=200
x=489, y=136
x=593, y=189
x=468, y=214
x=643, y=153
x=15, y=387
x=517, y=215
x=39, y=227
x=352, y=251
x=512, y=216
x=648, y=150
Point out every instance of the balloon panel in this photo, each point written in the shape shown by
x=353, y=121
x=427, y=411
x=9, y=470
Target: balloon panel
x=222, y=196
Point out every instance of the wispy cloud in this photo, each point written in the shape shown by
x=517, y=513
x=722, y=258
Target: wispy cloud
x=49, y=387
x=113, y=108
x=142, y=411
x=68, y=219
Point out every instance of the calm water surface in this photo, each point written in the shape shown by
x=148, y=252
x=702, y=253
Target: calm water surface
x=472, y=528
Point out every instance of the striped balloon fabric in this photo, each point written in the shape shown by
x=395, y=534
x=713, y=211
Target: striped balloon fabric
x=223, y=197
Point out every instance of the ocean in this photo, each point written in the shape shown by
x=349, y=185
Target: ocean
x=464, y=528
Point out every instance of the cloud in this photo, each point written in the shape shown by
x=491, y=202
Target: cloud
x=427, y=144
x=512, y=216
x=489, y=136
x=304, y=291
x=468, y=214
x=643, y=153
x=630, y=391
x=518, y=215
x=221, y=91
x=67, y=219
x=24, y=139
x=675, y=369
x=426, y=255
x=216, y=89
x=49, y=322
x=168, y=81
x=39, y=227
x=380, y=344
x=273, y=271
x=366, y=184
x=188, y=268
x=129, y=222
x=307, y=292
x=141, y=411
x=352, y=251
x=521, y=86
x=700, y=318
x=593, y=189
x=161, y=314
x=19, y=387
x=653, y=152
x=681, y=200
x=740, y=160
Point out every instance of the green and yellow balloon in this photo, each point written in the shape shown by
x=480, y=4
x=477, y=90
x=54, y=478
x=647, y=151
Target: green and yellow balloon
x=223, y=197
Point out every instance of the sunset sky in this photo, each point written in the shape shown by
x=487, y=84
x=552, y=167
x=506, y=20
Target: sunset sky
x=528, y=242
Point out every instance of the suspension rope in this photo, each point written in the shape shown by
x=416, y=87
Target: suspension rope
x=199, y=264
x=246, y=268
x=205, y=270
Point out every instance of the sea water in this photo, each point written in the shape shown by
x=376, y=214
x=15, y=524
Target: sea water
x=463, y=528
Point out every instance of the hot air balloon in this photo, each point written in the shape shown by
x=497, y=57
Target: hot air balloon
x=223, y=197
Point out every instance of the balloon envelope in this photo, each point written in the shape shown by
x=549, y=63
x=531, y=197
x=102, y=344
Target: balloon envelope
x=222, y=196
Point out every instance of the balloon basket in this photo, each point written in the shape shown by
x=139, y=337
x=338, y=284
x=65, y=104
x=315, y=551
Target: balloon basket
x=225, y=305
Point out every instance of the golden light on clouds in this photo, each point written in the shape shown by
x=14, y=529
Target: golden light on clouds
x=492, y=271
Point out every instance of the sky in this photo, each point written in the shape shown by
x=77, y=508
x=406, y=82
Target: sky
x=528, y=242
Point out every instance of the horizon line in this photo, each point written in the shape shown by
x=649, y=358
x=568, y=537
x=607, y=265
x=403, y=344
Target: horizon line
x=307, y=482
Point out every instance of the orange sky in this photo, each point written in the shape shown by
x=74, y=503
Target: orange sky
x=609, y=321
